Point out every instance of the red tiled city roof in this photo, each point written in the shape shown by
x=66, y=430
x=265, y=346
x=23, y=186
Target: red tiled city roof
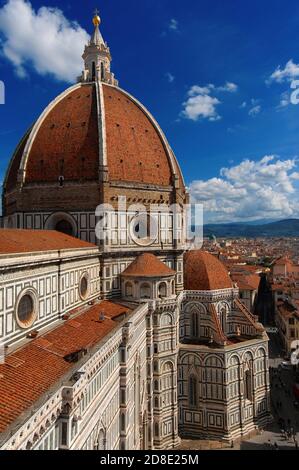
x=246, y=281
x=29, y=372
x=28, y=241
x=284, y=261
x=202, y=271
x=148, y=265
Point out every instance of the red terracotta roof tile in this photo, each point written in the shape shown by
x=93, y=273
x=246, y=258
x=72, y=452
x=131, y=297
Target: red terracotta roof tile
x=148, y=265
x=246, y=281
x=42, y=362
x=28, y=241
x=67, y=142
x=202, y=271
x=135, y=150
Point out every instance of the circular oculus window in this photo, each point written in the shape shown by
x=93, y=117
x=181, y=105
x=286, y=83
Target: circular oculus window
x=143, y=229
x=84, y=286
x=26, y=309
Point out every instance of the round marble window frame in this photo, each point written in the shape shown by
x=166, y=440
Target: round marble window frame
x=32, y=293
x=87, y=294
x=139, y=241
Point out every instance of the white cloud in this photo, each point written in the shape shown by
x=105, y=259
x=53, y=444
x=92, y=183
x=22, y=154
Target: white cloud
x=201, y=104
x=243, y=105
x=284, y=100
x=44, y=39
x=173, y=24
x=229, y=86
x=287, y=74
x=249, y=191
x=255, y=110
x=170, y=77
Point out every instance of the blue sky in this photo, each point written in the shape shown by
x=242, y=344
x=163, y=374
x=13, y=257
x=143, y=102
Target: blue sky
x=216, y=75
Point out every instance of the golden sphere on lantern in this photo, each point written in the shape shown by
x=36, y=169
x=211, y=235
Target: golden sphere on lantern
x=96, y=20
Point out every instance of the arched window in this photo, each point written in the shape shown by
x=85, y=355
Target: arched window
x=192, y=390
x=145, y=291
x=102, y=71
x=163, y=290
x=195, y=324
x=248, y=385
x=223, y=319
x=93, y=72
x=129, y=289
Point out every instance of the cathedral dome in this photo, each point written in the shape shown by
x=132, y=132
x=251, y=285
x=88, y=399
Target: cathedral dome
x=202, y=271
x=88, y=127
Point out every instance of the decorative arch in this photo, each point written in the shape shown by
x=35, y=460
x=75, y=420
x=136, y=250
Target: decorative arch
x=213, y=361
x=62, y=222
x=260, y=353
x=221, y=305
x=197, y=305
x=234, y=360
x=166, y=319
x=168, y=366
x=248, y=356
x=189, y=359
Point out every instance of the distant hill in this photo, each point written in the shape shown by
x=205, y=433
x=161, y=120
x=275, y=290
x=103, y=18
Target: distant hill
x=282, y=228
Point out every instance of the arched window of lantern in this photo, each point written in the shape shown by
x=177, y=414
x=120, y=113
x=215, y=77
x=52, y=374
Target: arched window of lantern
x=145, y=291
x=162, y=290
x=129, y=289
